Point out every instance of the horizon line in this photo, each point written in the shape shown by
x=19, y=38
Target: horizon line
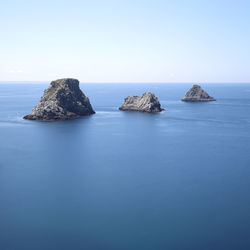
x=112, y=82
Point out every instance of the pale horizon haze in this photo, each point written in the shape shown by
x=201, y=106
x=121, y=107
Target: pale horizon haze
x=125, y=41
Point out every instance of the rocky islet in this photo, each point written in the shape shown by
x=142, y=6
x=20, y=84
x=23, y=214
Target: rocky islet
x=197, y=94
x=147, y=102
x=63, y=100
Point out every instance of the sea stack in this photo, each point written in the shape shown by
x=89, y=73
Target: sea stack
x=148, y=102
x=63, y=100
x=197, y=94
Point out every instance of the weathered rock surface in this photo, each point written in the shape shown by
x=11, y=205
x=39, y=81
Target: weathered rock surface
x=63, y=100
x=197, y=94
x=148, y=102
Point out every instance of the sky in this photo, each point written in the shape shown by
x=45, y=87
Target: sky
x=125, y=40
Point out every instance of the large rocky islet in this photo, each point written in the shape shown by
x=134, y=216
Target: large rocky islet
x=63, y=100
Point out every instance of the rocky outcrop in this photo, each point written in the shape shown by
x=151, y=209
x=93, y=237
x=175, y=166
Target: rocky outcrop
x=197, y=94
x=148, y=102
x=63, y=100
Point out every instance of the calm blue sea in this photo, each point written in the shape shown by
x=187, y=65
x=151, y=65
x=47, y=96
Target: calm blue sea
x=178, y=180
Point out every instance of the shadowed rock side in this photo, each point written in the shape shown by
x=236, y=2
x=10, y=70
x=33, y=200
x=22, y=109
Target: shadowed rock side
x=148, y=102
x=197, y=94
x=63, y=100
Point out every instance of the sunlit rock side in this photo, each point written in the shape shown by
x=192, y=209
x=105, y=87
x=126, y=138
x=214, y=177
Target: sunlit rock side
x=197, y=94
x=63, y=100
x=148, y=102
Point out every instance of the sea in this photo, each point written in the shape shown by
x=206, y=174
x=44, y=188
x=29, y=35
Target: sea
x=118, y=180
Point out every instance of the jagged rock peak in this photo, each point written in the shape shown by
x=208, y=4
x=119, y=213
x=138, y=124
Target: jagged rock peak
x=148, y=102
x=197, y=94
x=63, y=100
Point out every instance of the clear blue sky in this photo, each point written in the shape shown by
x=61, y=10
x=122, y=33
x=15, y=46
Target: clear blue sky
x=125, y=41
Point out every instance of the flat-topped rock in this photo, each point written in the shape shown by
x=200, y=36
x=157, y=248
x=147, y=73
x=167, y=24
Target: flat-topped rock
x=197, y=94
x=148, y=102
x=63, y=100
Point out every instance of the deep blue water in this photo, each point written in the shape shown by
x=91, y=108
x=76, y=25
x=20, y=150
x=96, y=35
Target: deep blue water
x=178, y=180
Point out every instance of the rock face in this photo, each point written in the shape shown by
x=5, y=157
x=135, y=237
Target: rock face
x=63, y=100
x=197, y=94
x=148, y=102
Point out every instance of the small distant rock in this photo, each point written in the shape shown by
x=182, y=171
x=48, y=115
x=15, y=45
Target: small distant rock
x=63, y=100
x=148, y=102
x=197, y=94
